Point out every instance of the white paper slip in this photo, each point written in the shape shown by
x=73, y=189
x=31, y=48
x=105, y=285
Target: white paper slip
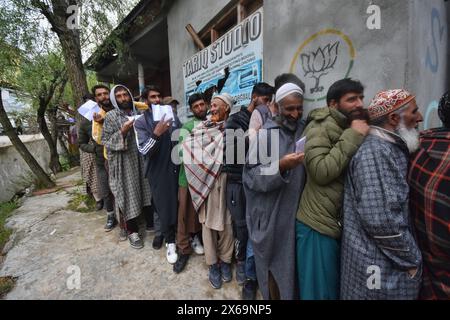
x=300, y=145
x=87, y=110
x=134, y=117
x=159, y=111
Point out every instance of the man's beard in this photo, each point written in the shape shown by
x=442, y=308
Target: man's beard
x=288, y=123
x=125, y=105
x=106, y=105
x=201, y=116
x=357, y=114
x=410, y=136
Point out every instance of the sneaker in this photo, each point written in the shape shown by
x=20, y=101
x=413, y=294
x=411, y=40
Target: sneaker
x=196, y=244
x=249, y=290
x=135, y=241
x=214, y=276
x=171, y=254
x=157, y=242
x=240, y=272
x=111, y=223
x=149, y=229
x=99, y=205
x=181, y=263
x=123, y=235
x=225, y=269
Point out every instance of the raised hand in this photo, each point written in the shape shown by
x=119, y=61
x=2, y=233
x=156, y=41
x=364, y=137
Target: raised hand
x=162, y=126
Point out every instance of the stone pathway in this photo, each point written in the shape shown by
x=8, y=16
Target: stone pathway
x=51, y=244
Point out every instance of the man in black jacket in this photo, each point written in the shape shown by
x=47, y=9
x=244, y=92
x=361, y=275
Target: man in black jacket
x=88, y=144
x=236, y=138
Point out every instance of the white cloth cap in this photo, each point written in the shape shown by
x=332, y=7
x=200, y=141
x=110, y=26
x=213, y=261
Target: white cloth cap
x=286, y=90
x=225, y=97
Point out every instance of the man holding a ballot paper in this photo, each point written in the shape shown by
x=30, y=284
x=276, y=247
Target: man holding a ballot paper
x=154, y=141
x=273, y=184
x=126, y=166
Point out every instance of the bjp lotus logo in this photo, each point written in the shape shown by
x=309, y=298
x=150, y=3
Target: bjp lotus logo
x=322, y=59
x=318, y=64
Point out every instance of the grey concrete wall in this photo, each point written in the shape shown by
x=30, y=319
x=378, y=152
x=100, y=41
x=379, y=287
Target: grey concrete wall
x=300, y=31
x=15, y=174
x=392, y=57
x=428, y=60
x=380, y=55
x=181, y=46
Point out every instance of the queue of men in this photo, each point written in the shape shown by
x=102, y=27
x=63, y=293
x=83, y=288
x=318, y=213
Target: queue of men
x=361, y=212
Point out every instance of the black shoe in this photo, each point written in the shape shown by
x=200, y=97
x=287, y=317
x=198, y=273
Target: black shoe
x=181, y=263
x=99, y=205
x=215, y=278
x=135, y=241
x=111, y=223
x=249, y=290
x=157, y=242
x=225, y=270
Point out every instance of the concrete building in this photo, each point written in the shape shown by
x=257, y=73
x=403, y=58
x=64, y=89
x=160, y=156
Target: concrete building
x=384, y=43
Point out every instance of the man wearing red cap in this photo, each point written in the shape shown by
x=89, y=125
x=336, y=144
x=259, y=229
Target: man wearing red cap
x=380, y=258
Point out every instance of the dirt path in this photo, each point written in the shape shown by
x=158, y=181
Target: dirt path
x=51, y=244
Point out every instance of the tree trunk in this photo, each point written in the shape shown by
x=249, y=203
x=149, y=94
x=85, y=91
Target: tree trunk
x=70, y=44
x=54, y=157
x=22, y=149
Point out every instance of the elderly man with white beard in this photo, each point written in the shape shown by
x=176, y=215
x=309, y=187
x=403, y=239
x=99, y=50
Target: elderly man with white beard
x=380, y=258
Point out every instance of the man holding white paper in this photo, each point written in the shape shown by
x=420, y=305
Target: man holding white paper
x=273, y=195
x=131, y=191
x=154, y=141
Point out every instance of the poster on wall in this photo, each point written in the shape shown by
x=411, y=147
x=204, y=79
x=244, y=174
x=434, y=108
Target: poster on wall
x=240, y=50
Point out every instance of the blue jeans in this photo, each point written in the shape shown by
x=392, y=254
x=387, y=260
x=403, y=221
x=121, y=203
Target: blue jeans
x=250, y=268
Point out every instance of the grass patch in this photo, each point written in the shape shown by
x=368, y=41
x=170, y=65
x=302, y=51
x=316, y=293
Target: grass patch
x=65, y=163
x=86, y=202
x=6, y=209
x=6, y=285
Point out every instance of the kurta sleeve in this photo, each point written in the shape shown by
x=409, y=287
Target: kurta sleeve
x=379, y=190
x=147, y=141
x=324, y=161
x=263, y=176
x=112, y=138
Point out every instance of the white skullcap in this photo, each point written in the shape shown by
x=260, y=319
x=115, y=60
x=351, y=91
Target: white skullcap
x=225, y=97
x=286, y=90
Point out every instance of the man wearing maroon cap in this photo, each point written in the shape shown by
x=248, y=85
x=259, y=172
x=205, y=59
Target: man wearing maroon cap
x=380, y=258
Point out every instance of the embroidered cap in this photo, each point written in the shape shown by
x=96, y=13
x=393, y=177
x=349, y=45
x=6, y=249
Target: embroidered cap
x=389, y=101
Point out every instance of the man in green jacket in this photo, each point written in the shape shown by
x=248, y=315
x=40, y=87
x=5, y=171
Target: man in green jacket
x=333, y=135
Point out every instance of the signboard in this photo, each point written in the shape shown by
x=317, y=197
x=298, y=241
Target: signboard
x=241, y=50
